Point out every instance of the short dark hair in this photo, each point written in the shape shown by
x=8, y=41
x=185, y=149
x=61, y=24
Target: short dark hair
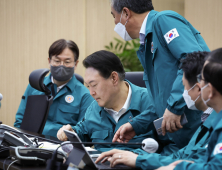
x=137, y=6
x=192, y=65
x=58, y=46
x=105, y=62
x=212, y=71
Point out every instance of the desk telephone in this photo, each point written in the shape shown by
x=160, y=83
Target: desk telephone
x=8, y=136
x=25, y=150
x=7, y=139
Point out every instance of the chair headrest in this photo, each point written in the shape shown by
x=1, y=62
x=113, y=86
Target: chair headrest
x=136, y=78
x=36, y=79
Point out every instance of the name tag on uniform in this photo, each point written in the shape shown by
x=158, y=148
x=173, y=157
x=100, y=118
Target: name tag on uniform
x=171, y=35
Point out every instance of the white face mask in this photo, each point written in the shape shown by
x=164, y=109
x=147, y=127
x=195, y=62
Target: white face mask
x=190, y=103
x=205, y=102
x=121, y=30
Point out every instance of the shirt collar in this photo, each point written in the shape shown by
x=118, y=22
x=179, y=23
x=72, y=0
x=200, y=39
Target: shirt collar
x=128, y=100
x=143, y=30
x=209, y=110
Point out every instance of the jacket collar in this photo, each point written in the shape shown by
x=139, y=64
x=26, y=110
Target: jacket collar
x=216, y=123
x=149, y=24
x=136, y=95
x=208, y=122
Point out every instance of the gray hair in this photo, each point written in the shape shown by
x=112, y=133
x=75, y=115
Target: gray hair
x=137, y=6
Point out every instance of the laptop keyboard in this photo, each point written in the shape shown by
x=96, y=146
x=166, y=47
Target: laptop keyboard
x=106, y=165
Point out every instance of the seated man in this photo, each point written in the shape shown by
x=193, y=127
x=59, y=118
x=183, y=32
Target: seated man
x=211, y=93
x=71, y=97
x=196, y=148
x=117, y=101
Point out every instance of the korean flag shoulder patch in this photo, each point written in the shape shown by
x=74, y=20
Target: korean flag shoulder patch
x=218, y=148
x=171, y=35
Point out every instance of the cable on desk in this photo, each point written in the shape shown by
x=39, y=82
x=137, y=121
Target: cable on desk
x=5, y=161
x=11, y=164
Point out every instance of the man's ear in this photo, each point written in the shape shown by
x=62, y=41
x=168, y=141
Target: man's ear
x=76, y=63
x=126, y=13
x=212, y=90
x=114, y=78
x=198, y=87
x=49, y=62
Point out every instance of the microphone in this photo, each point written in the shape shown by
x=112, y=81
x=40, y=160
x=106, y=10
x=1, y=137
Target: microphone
x=1, y=96
x=150, y=145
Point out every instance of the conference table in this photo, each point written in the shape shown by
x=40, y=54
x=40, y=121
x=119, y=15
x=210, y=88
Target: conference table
x=5, y=162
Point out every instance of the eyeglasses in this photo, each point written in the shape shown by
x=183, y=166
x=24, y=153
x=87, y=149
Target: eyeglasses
x=199, y=78
x=65, y=63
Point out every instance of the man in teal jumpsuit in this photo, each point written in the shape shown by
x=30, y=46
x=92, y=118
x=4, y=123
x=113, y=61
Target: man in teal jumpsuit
x=71, y=98
x=165, y=38
x=196, y=148
x=117, y=102
x=211, y=92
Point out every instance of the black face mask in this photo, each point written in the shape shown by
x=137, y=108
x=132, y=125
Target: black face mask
x=62, y=73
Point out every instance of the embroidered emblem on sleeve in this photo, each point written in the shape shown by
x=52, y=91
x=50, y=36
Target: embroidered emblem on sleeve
x=218, y=148
x=171, y=35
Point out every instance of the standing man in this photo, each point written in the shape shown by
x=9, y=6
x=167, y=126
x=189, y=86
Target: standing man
x=71, y=97
x=165, y=38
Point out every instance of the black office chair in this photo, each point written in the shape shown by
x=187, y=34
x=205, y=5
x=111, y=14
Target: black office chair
x=78, y=77
x=37, y=107
x=136, y=78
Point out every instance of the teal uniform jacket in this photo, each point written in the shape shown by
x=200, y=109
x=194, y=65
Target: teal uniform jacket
x=60, y=112
x=212, y=159
x=162, y=75
x=193, y=151
x=99, y=126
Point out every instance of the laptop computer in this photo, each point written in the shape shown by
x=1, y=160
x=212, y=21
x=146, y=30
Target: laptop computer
x=79, y=151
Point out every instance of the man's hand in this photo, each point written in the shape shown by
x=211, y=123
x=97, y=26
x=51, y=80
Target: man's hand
x=124, y=133
x=171, y=122
x=61, y=135
x=179, y=161
x=169, y=167
x=118, y=157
